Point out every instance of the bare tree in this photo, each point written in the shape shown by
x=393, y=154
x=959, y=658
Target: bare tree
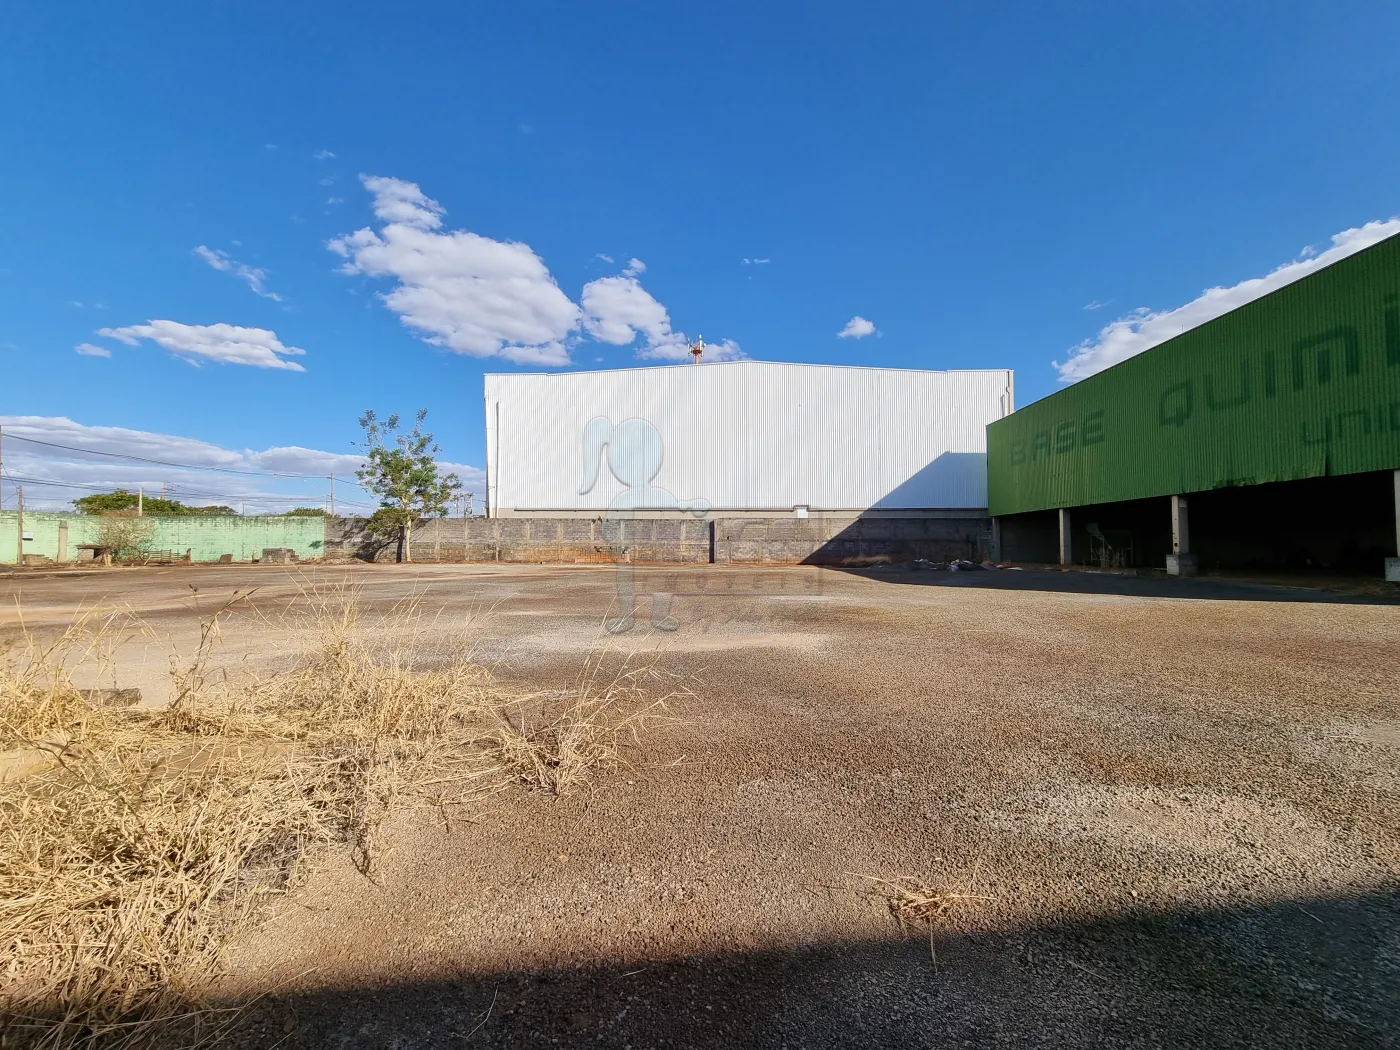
x=124, y=535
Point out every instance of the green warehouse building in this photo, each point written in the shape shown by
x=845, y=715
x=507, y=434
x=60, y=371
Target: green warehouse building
x=1268, y=438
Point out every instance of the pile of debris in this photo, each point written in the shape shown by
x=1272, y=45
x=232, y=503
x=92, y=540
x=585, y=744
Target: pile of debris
x=956, y=565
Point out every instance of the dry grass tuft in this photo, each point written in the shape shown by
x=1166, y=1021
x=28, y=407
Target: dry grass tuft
x=125, y=868
x=914, y=904
x=36, y=701
x=557, y=741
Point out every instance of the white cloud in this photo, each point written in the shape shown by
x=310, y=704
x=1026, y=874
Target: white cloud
x=460, y=290
x=323, y=154
x=724, y=350
x=474, y=295
x=90, y=350
x=253, y=276
x=232, y=344
x=605, y=258
x=52, y=477
x=328, y=180
x=857, y=328
x=396, y=201
x=618, y=309
x=1143, y=329
x=1095, y=305
x=757, y=262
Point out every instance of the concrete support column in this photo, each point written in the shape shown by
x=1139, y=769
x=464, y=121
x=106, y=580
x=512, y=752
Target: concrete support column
x=1066, y=537
x=1392, y=565
x=1181, y=562
x=1181, y=526
x=62, y=542
x=996, y=538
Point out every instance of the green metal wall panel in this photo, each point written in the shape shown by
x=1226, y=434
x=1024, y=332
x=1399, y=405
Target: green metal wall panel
x=1301, y=383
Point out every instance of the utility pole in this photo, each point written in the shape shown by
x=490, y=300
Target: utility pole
x=19, y=536
x=140, y=501
x=332, y=495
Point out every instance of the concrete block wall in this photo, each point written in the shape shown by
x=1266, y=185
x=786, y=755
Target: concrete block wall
x=206, y=538
x=45, y=529
x=818, y=540
x=244, y=538
x=854, y=540
x=540, y=540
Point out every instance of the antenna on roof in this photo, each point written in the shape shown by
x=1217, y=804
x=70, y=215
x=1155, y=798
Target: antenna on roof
x=697, y=349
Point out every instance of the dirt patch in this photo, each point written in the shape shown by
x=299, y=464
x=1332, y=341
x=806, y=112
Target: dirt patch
x=645, y=639
x=1140, y=798
x=1245, y=833
x=1384, y=732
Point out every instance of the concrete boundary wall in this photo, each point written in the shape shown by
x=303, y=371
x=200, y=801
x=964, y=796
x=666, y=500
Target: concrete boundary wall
x=817, y=540
x=58, y=537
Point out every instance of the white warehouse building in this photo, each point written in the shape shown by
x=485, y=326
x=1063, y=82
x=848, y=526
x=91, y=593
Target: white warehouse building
x=741, y=438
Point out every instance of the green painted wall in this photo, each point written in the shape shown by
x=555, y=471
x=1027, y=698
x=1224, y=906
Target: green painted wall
x=207, y=538
x=1304, y=382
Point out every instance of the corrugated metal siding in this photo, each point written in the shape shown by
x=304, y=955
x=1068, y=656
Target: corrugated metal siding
x=1302, y=383
x=751, y=435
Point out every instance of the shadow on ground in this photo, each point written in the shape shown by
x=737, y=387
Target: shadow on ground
x=1311, y=973
x=1083, y=582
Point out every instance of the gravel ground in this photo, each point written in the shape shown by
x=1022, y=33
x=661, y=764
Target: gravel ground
x=1172, y=806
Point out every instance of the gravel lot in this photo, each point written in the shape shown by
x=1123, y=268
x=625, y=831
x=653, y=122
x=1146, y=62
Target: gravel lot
x=1173, y=808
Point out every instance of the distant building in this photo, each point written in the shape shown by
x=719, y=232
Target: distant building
x=742, y=438
x=1266, y=438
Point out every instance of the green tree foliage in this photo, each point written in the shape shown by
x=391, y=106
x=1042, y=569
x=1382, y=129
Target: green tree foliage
x=305, y=512
x=103, y=502
x=402, y=470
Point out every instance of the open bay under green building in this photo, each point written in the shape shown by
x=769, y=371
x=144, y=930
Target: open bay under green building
x=1268, y=438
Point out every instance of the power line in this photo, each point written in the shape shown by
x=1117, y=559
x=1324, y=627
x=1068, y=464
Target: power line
x=182, y=466
x=173, y=490
x=181, y=490
x=192, y=466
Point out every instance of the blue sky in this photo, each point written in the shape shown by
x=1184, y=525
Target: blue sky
x=973, y=186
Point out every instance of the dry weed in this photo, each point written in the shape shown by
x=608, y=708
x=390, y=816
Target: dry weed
x=915, y=905
x=124, y=869
x=37, y=698
x=557, y=741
